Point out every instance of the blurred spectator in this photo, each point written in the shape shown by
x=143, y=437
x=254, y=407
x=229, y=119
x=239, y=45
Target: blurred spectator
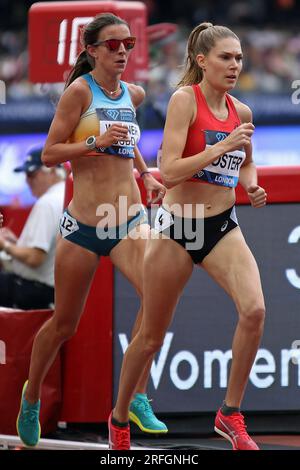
x=30, y=282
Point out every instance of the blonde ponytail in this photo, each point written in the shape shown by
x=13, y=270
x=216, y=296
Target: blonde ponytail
x=201, y=40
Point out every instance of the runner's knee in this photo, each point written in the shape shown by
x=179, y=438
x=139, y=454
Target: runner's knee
x=151, y=344
x=253, y=317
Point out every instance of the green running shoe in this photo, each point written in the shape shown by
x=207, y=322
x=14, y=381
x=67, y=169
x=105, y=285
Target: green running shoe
x=28, y=425
x=141, y=413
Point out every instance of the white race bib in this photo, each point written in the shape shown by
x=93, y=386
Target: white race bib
x=68, y=225
x=163, y=220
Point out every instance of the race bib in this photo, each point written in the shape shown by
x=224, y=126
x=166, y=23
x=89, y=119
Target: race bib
x=163, y=220
x=226, y=169
x=68, y=225
x=126, y=116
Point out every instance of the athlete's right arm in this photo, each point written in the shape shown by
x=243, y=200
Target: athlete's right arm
x=72, y=104
x=175, y=169
x=70, y=107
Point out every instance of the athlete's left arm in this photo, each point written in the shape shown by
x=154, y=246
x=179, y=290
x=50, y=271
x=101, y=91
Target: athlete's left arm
x=155, y=190
x=248, y=173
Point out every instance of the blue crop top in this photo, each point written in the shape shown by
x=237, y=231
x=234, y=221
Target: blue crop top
x=102, y=113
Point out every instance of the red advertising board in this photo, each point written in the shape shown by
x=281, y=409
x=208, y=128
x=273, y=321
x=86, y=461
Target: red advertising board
x=54, y=37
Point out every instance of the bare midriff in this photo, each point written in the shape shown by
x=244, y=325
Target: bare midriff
x=100, y=183
x=213, y=198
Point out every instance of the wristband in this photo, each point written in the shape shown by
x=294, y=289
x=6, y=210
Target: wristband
x=144, y=173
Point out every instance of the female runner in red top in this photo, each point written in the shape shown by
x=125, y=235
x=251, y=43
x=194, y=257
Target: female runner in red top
x=206, y=150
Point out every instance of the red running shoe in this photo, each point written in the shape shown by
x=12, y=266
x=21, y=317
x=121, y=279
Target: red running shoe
x=118, y=438
x=233, y=428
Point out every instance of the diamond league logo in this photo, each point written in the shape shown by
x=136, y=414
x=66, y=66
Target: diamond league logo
x=220, y=136
x=113, y=114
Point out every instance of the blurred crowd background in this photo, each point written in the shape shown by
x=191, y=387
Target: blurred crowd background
x=270, y=36
x=269, y=31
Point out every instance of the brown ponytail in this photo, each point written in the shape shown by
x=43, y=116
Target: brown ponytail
x=201, y=40
x=84, y=64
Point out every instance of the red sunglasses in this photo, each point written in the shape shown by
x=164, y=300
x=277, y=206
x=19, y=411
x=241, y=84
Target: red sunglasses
x=114, y=44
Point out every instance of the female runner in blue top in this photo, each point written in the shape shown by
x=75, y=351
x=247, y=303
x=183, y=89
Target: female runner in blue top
x=94, y=128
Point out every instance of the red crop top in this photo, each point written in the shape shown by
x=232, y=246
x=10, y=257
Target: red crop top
x=207, y=130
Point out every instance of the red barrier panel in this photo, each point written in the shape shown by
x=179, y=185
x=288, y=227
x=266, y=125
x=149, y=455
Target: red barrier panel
x=17, y=331
x=282, y=184
x=15, y=218
x=87, y=357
